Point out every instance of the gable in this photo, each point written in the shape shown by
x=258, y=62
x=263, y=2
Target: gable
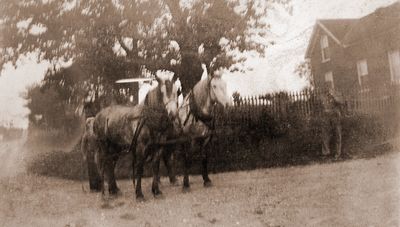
x=338, y=27
x=319, y=28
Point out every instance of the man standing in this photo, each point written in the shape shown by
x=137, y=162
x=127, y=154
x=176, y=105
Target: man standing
x=331, y=128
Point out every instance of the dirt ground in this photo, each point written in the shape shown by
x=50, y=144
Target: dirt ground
x=361, y=192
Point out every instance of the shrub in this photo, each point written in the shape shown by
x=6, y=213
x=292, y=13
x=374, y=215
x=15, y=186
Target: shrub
x=276, y=142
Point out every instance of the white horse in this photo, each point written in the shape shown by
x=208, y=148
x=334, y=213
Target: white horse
x=197, y=117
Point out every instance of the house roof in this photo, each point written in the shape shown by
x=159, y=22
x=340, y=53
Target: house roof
x=383, y=19
x=338, y=27
x=346, y=32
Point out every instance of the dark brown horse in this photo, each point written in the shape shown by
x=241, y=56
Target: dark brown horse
x=140, y=129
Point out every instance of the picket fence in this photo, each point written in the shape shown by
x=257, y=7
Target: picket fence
x=306, y=104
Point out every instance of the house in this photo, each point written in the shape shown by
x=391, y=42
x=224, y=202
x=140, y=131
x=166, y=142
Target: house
x=356, y=55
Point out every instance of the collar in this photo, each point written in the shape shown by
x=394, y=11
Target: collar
x=197, y=113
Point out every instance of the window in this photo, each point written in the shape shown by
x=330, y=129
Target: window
x=362, y=70
x=325, y=48
x=329, y=80
x=394, y=63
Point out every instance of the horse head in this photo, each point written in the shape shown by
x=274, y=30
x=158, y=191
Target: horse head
x=164, y=96
x=217, y=89
x=169, y=92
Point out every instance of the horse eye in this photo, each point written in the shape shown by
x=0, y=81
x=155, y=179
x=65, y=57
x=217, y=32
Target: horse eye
x=214, y=86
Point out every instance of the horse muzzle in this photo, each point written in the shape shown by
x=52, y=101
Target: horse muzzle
x=172, y=115
x=223, y=104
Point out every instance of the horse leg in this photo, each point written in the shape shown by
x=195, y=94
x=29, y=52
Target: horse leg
x=204, y=152
x=94, y=176
x=187, y=157
x=167, y=157
x=141, y=158
x=101, y=162
x=110, y=164
x=165, y=151
x=110, y=168
x=156, y=169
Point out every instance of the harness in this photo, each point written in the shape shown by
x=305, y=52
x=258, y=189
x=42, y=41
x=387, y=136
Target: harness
x=194, y=110
x=155, y=117
x=198, y=115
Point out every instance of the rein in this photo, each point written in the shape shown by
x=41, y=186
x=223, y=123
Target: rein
x=136, y=135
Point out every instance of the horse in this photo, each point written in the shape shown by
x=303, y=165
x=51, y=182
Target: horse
x=139, y=129
x=197, y=117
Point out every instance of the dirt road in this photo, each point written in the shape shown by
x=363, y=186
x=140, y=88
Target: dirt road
x=351, y=193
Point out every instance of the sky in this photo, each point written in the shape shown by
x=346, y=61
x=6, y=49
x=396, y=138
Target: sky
x=292, y=33
x=274, y=72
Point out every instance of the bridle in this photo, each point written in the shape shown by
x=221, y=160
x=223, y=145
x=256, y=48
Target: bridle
x=170, y=101
x=211, y=89
x=177, y=118
x=194, y=108
x=165, y=96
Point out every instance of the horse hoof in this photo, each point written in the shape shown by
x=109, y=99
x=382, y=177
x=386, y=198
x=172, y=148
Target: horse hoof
x=95, y=186
x=156, y=190
x=95, y=190
x=140, y=198
x=207, y=184
x=159, y=196
x=174, y=183
x=115, y=192
x=186, y=189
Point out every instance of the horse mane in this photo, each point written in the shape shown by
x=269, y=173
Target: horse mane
x=200, y=91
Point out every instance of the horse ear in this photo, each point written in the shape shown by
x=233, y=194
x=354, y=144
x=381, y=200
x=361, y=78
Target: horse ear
x=205, y=71
x=174, y=78
x=179, y=92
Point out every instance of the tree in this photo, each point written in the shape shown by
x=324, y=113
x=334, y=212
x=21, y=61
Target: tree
x=303, y=70
x=86, y=31
x=222, y=29
x=113, y=39
x=46, y=103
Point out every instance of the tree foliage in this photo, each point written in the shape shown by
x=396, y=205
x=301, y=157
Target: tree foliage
x=303, y=70
x=47, y=108
x=113, y=39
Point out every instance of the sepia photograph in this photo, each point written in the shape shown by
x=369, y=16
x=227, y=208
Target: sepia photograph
x=153, y=113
